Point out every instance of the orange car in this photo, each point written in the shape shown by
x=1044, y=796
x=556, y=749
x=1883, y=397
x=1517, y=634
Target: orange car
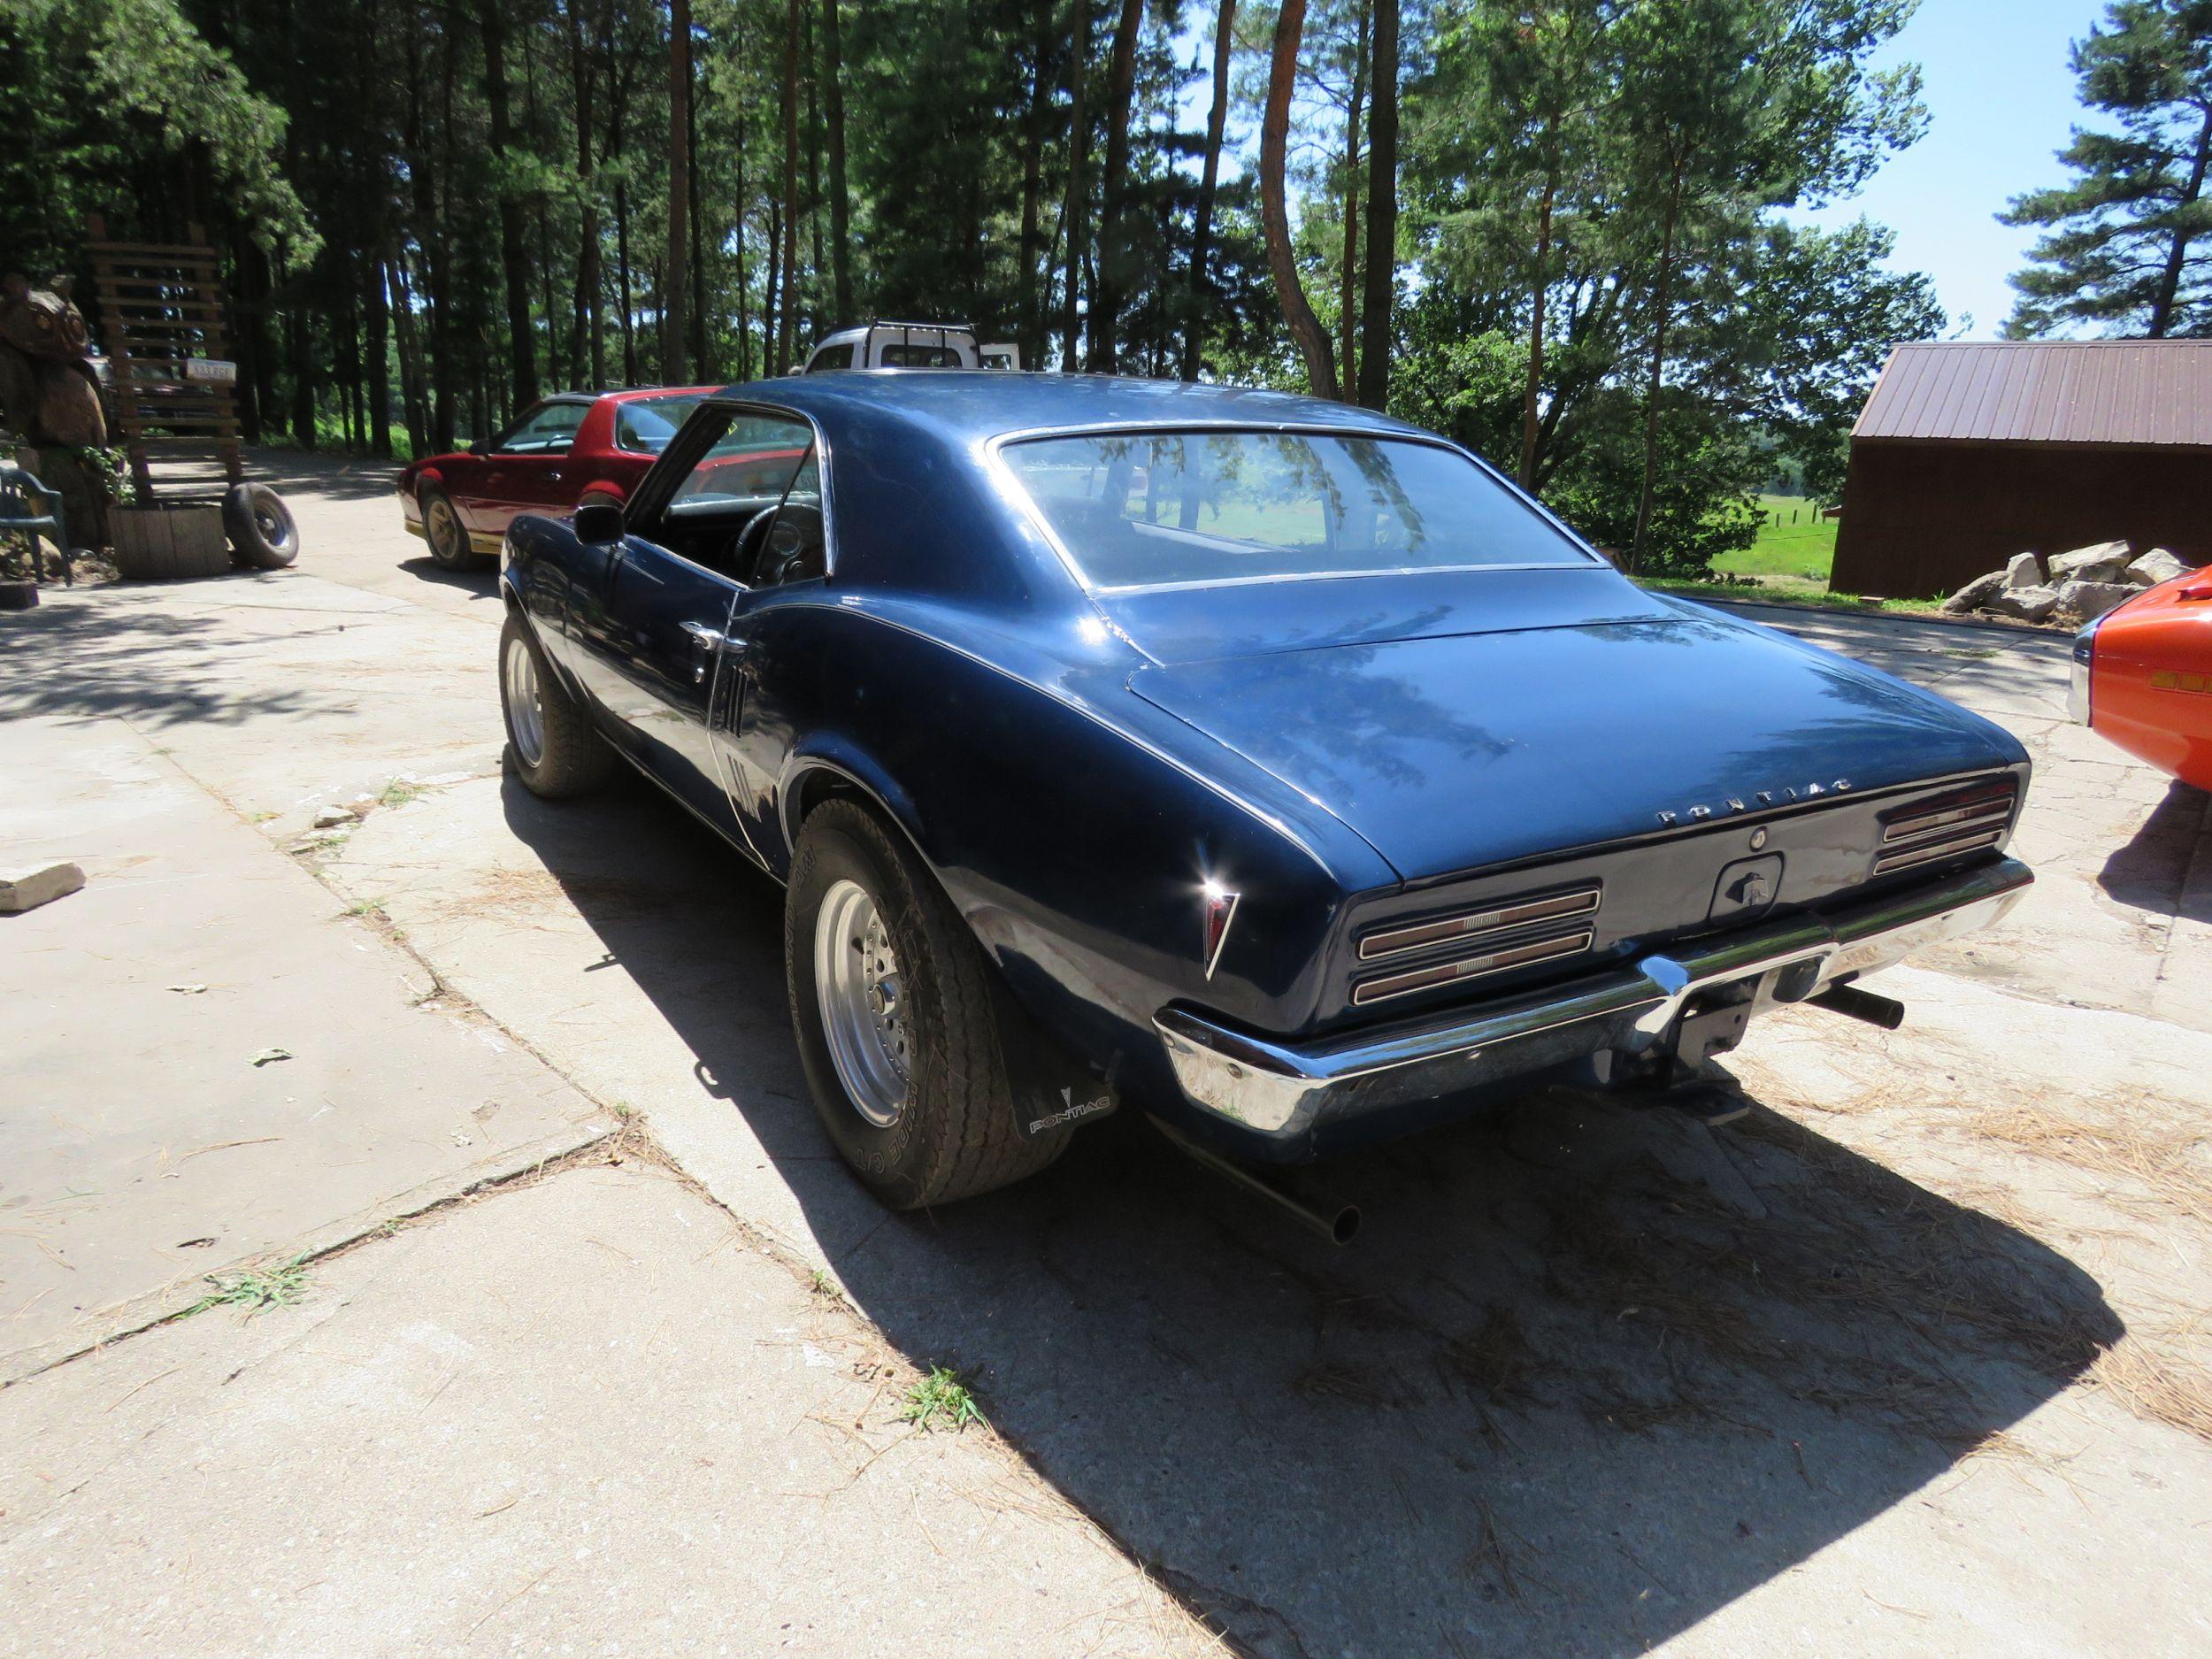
x=2143, y=676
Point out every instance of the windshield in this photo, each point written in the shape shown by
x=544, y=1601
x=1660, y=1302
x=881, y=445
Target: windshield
x=1160, y=508
x=645, y=425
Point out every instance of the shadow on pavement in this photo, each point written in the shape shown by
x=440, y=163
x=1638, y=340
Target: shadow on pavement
x=2152, y=871
x=166, y=669
x=478, y=583
x=1588, y=1375
x=341, y=477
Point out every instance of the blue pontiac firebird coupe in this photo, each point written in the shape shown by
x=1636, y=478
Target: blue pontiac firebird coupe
x=1266, y=763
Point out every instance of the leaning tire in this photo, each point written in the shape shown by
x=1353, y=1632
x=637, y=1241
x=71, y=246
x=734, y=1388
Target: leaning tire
x=260, y=526
x=442, y=530
x=918, y=1104
x=550, y=742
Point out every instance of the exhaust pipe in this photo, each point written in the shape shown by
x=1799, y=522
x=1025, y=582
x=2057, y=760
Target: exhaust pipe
x=1287, y=1189
x=1885, y=1012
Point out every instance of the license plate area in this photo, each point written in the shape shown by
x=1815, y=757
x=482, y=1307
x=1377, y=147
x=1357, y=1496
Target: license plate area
x=1713, y=1021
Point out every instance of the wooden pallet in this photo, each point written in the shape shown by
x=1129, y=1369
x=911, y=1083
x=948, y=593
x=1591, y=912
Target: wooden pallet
x=161, y=305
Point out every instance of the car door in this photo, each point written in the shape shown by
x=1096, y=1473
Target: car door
x=655, y=646
x=660, y=668
x=526, y=468
x=792, y=564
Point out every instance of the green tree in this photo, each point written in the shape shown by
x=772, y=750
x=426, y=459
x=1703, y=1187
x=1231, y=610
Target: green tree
x=2130, y=248
x=1736, y=104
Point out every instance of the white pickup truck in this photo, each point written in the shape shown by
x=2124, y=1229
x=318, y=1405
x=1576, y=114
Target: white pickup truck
x=888, y=345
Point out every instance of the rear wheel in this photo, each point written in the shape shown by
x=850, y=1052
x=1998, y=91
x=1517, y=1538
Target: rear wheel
x=891, y=1000
x=442, y=528
x=549, y=739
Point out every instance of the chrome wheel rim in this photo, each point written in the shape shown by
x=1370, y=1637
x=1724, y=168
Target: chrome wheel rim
x=863, y=999
x=443, y=525
x=526, y=715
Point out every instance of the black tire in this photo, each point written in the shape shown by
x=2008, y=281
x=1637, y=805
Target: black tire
x=571, y=757
x=442, y=530
x=954, y=1135
x=262, y=533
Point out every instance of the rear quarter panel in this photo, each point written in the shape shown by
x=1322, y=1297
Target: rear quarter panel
x=1076, y=847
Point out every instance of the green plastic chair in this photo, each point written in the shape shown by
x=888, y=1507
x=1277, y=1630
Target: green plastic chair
x=17, y=512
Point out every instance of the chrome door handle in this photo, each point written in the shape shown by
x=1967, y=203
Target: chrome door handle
x=705, y=642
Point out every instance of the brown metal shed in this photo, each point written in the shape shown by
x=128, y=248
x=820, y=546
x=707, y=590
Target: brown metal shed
x=1968, y=453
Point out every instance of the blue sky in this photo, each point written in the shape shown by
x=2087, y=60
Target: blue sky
x=2000, y=101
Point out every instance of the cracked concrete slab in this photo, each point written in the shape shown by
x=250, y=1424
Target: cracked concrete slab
x=587, y=1417
x=205, y=1061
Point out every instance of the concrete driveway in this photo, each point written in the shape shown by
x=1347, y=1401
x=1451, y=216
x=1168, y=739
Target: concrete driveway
x=1906, y=1363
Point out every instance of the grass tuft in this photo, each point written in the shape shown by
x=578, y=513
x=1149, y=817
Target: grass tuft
x=279, y=1287
x=940, y=1399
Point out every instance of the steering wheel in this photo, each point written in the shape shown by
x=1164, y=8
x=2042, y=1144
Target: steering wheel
x=793, y=548
x=745, y=549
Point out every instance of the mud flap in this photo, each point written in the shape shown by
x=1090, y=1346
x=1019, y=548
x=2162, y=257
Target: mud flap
x=1049, y=1087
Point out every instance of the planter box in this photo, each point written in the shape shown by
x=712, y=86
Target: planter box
x=170, y=540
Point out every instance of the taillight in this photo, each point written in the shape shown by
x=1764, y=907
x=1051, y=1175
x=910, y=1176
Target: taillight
x=1471, y=944
x=1943, y=827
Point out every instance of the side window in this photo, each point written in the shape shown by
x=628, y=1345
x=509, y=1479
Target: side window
x=797, y=546
x=724, y=510
x=644, y=426
x=547, y=429
x=832, y=357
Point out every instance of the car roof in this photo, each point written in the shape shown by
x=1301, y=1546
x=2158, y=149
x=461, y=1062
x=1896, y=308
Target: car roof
x=637, y=393
x=966, y=406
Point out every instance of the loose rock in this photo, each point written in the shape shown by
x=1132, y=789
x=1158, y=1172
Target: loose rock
x=1979, y=592
x=2028, y=604
x=2155, y=567
x=2077, y=601
x=2024, y=569
x=2105, y=562
x=330, y=817
x=27, y=889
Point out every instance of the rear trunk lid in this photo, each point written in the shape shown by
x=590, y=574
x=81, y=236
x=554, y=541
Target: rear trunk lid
x=1452, y=752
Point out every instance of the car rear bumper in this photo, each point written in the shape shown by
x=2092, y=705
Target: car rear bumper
x=1288, y=1089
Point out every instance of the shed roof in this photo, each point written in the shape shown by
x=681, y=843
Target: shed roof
x=2134, y=392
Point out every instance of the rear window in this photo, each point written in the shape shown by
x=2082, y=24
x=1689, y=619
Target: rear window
x=644, y=426
x=1153, y=509
x=909, y=357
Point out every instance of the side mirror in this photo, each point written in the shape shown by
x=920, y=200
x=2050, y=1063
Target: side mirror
x=599, y=524
x=796, y=368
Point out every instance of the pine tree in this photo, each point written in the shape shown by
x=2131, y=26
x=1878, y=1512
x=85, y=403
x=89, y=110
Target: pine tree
x=2131, y=242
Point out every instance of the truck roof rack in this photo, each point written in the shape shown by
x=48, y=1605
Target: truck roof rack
x=941, y=326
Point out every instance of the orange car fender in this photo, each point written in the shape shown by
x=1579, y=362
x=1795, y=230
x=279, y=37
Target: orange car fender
x=2151, y=678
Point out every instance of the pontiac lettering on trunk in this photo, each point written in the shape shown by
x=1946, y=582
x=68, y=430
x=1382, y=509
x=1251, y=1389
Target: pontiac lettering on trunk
x=1729, y=806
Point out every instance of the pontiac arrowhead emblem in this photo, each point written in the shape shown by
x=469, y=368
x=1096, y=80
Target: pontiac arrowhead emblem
x=1220, y=911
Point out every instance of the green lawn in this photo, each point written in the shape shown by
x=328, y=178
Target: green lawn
x=1802, y=552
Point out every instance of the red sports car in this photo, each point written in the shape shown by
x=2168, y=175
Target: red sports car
x=2143, y=676
x=559, y=452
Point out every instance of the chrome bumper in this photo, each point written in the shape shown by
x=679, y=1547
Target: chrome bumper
x=1287, y=1088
